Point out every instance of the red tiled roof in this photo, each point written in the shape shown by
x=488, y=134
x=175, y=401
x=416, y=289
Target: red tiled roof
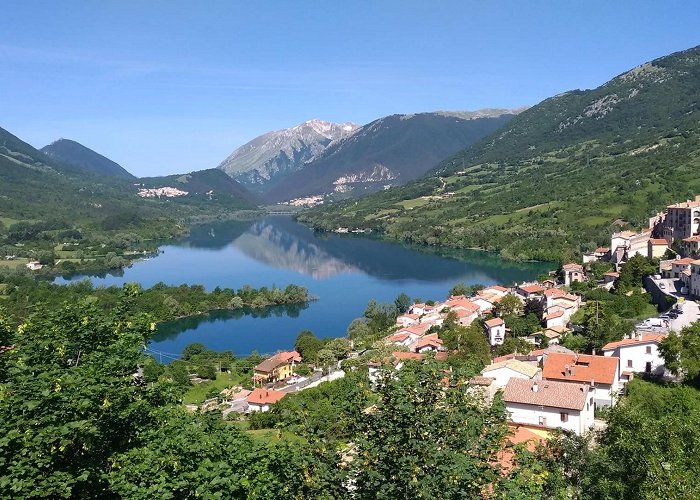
x=398, y=337
x=612, y=273
x=647, y=338
x=602, y=250
x=554, y=314
x=682, y=262
x=497, y=288
x=554, y=292
x=572, y=265
x=493, y=322
x=429, y=340
x=277, y=360
x=692, y=238
x=658, y=241
x=402, y=356
x=265, y=396
x=549, y=393
x=531, y=288
x=585, y=368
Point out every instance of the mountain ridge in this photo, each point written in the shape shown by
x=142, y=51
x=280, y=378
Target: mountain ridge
x=560, y=177
x=388, y=150
x=73, y=153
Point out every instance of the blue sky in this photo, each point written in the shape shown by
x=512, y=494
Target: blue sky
x=173, y=86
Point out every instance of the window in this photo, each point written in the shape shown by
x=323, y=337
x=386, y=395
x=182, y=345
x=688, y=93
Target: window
x=648, y=349
x=629, y=363
x=564, y=416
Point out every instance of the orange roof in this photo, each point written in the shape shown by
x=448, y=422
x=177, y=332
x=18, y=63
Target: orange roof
x=398, y=337
x=498, y=288
x=555, y=314
x=531, y=288
x=572, y=265
x=682, y=262
x=692, y=238
x=402, y=356
x=429, y=340
x=265, y=396
x=647, y=338
x=612, y=273
x=465, y=304
x=279, y=359
x=493, y=322
x=419, y=329
x=658, y=241
x=602, y=250
x=554, y=292
x=686, y=204
x=584, y=368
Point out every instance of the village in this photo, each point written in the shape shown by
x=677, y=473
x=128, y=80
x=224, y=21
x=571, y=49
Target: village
x=546, y=386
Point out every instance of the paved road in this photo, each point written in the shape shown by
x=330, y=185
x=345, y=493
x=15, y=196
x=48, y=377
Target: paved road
x=690, y=309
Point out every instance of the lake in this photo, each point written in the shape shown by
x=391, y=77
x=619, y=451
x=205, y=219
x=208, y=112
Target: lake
x=343, y=271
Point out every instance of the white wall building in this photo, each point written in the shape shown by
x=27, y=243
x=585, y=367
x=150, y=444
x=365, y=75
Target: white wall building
x=503, y=371
x=496, y=330
x=549, y=403
x=639, y=354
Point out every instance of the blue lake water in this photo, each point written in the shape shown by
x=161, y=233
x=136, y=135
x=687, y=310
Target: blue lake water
x=343, y=271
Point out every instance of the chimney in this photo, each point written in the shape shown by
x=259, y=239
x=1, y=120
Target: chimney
x=593, y=352
x=572, y=369
x=641, y=336
x=567, y=370
x=535, y=387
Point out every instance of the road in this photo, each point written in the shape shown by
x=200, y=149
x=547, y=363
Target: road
x=690, y=309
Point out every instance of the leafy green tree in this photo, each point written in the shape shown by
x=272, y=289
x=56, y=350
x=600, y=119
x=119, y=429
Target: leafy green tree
x=414, y=441
x=402, y=303
x=514, y=345
x=650, y=447
x=681, y=353
x=574, y=341
x=510, y=305
x=308, y=345
x=193, y=350
x=633, y=272
x=326, y=359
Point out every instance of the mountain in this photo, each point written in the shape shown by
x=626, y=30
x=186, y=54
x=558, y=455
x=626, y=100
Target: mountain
x=388, y=151
x=208, y=185
x=74, y=153
x=267, y=159
x=560, y=177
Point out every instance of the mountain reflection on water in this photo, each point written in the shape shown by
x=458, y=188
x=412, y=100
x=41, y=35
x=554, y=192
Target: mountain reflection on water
x=343, y=271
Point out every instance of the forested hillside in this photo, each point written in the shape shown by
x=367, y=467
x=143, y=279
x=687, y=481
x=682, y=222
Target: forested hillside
x=74, y=153
x=560, y=177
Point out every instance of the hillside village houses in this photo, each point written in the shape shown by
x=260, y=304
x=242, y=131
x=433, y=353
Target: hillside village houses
x=277, y=367
x=638, y=354
x=600, y=373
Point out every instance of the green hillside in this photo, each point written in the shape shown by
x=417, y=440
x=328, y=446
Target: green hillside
x=558, y=178
x=74, y=153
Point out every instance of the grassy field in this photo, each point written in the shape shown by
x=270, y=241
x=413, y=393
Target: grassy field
x=198, y=393
x=13, y=264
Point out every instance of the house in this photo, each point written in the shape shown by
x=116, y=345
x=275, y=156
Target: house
x=428, y=343
x=682, y=220
x=34, y=265
x=601, y=373
x=611, y=276
x=483, y=388
x=407, y=319
x=496, y=330
x=638, y=354
x=694, y=284
x=553, y=333
x=467, y=311
x=549, y=403
x=484, y=304
x=555, y=317
x=496, y=290
x=657, y=247
x=691, y=245
x=503, y=371
x=261, y=399
x=401, y=338
x=277, y=367
x=680, y=265
x=541, y=354
x=572, y=273
x=626, y=244
x=529, y=291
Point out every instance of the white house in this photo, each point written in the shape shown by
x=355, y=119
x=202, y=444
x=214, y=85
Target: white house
x=427, y=343
x=572, y=273
x=555, y=317
x=34, y=265
x=496, y=330
x=639, y=354
x=503, y=371
x=262, y=399
x=549, y=403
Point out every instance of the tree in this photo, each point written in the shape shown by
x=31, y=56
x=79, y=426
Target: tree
x=193, y=350
x=510, y=305
x=308, y=345
x=513, y=345
x=326, y=359
x=340, y=347
x=681, y=353
x=413, y=442
x=633, y=272
x=534, y=306
x=460, y=289
x=402, y=303
x=574, y=341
